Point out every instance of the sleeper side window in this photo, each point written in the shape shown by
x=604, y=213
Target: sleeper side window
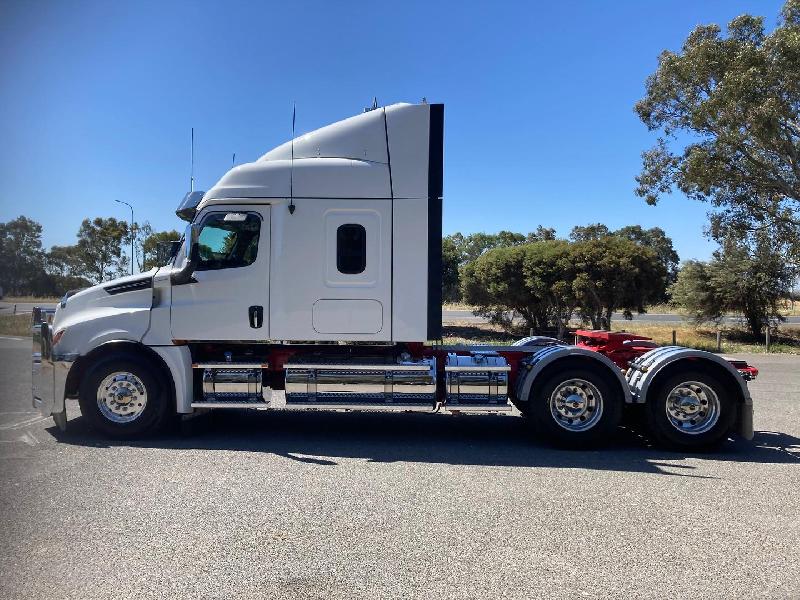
x=228, y=240
x=351, y=249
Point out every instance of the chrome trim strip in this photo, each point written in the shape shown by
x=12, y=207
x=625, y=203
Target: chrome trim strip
x=476, y=368
x=376, y=407
x=258, y=405
x=478, y=407
x=357, y=367
x=233, y=366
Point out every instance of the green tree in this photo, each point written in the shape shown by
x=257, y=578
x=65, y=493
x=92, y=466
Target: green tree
x=529, y=281
x=21, y=255
x=548, y=271
x=657, y=240
x=451, y=291
x=100, y=248
x=612, y=273
x=594, y=231
x=748, y=280
x=654, y=238
x=149, y=242
x=458, y=250
x=64, y=270
x=736, y=99
x=63, y=261
x=495, y=284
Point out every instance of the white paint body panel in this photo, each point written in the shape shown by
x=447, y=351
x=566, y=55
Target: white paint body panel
x=216, y=307
x=304, y=270
x=410, y=289
x=93, y=316
x=347, y=316
x=370, y=169
x=362, y=137
x=179, y=362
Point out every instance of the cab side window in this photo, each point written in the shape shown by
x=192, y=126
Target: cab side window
x=351, y=249
x=228, y=240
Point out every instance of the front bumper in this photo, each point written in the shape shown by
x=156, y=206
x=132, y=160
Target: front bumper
x=50, y=369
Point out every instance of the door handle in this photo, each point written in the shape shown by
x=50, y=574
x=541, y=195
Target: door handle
x=256, y=314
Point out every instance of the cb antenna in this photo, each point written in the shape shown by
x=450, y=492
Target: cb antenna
x=191, y=171
x=291, y=169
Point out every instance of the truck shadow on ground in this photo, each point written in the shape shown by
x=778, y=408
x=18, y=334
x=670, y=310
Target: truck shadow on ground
x=322, y=438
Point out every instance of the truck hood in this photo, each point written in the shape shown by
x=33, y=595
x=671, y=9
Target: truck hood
x=121, y=305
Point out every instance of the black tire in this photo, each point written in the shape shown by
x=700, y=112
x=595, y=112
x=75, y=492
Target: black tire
x=157, y=409
x=561, y=430
x=661, y=425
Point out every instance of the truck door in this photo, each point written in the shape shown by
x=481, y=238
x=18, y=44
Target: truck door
x=229, y=299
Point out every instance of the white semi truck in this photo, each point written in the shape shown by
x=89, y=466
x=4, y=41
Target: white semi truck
x=311, y=279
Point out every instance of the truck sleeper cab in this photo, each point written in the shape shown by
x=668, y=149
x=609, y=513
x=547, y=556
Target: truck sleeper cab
x=311, y=278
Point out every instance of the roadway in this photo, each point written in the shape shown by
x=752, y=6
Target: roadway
x=344, y=505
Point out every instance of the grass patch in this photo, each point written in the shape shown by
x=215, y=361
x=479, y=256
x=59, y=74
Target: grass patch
x=457, y=306
x=734, y=339
x=16, y=299
x=465, y=332
x=786, y=308
x=17, y=325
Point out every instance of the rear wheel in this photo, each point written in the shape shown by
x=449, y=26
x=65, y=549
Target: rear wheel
x=124, y=396
x=575, y=407
x=691, y=411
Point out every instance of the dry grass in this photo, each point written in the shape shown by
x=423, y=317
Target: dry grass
x=734, y=339
x=14, y=299
x=457, y=306
x=465, y=332
x=788, y=309
x=17, y=325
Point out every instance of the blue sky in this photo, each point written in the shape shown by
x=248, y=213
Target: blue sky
x=97, y=100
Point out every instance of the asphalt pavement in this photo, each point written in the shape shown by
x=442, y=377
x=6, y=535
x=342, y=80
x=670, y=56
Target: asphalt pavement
x=348, y=505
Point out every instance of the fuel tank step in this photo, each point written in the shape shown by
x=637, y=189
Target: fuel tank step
x=232, y=385
x=403, y=384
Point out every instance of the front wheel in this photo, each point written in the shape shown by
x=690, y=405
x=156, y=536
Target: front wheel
x=124, y=397
x=575, y=408
x=691, y=411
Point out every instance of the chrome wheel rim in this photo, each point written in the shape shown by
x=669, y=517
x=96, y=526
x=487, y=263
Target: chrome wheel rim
x=121, y=397
x=576, y=405
x=693, y=407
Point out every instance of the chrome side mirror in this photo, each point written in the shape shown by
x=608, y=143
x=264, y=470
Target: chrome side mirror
x=191, y=250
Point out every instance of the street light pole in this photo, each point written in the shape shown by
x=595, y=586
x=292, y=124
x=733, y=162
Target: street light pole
x=133, y=234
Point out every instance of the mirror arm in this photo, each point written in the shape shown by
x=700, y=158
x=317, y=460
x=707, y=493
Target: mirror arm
x=184, y=275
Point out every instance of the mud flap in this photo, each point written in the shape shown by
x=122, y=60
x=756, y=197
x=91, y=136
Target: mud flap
x=746, y=421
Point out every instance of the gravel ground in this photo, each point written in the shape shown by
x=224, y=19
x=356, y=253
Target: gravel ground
x=342, y=505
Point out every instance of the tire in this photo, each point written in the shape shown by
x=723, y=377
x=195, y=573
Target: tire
x=691, y=411
x=125, y=396
x=590, y=419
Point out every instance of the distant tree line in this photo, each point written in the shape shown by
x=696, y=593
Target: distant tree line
x=26, y=268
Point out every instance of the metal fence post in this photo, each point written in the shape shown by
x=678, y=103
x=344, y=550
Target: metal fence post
x=767, y=339
x=719, y=341
x=674, y=338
